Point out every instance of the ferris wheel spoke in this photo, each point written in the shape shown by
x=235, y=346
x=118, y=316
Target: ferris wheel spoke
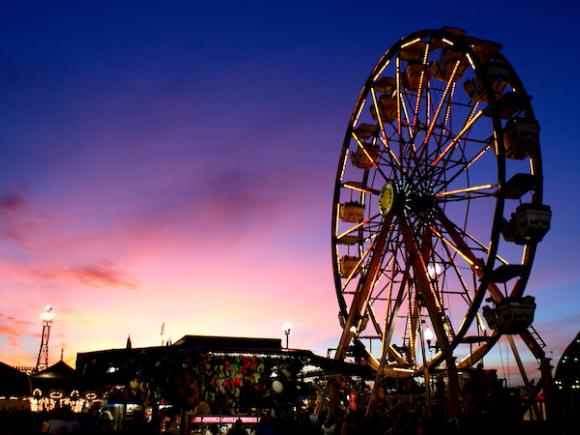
x=398, y=81
x=436, y=173
x=391, y=282
x=479, y=352
x=429, y=105
x=532, y=389
x=428, y=252
x=460, y=277
x=392, y=314
x=441, y=101
x=420, y=89
x=424, y=285
x=465, y=293
x=448, y=108
x=480, y=244
x=414, y=309
x=368, y=155
x=457, y=137
x=360, y=187
x=408, y=149
x=467, y=193
x=440, y=151
x=411, y=324
x=434, y=258
x=379, y=117
x=406, y=114
x=389, y=261
x=391, y=276
x=519, y=362
x=437, y=151
x=364, y=288
x=424, y=152
x=357, y=226
x=398, y=129
x=374, y=320
x=393, y=163
x=467, y=164
x=465, y=252
x=377, y=295
x=466, y=296
x=494, y=291
x=443, y=132
x=356, y=269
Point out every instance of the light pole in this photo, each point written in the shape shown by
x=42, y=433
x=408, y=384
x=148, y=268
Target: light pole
x=47, y=317
x=425, y=369
x=428, y=335
x=287, y=328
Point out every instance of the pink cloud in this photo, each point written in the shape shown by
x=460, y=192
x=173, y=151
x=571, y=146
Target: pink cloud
x=103, y=275
x=13, y=329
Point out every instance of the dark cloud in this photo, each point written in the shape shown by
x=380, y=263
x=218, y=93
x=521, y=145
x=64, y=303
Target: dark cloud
x=240, y=198
x=102, y=275
x=556, y=324
x=226, y=205
x=18, y=220
x=11, y=202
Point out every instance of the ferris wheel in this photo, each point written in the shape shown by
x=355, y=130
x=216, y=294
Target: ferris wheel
x=438, y=209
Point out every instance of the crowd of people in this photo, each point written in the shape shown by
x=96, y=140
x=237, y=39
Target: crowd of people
x=101, y=421
x=303, y=422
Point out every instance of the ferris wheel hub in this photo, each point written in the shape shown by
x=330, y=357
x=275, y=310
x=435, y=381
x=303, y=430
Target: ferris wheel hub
x=387, y=198
x=402, y=195
x=422, y=205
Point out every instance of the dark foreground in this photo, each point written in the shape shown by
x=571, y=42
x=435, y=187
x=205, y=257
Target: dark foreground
x=24, y=422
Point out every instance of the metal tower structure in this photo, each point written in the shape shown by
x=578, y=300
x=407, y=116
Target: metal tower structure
x=47, y=317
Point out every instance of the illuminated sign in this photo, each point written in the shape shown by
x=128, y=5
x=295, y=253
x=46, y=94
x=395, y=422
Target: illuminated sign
x=224, y=419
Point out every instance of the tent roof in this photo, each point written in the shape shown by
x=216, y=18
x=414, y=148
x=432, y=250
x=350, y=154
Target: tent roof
x=60, y=370
x=13, y=382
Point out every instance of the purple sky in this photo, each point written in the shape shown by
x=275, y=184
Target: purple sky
x=175, y=163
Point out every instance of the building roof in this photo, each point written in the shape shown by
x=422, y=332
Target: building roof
x=60, y=370
x=13, y=382
x=94, y=364
x=216, y=343
x=59, y=376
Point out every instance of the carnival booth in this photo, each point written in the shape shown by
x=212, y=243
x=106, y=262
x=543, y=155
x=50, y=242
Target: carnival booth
x=14, y=387
x=55, y=387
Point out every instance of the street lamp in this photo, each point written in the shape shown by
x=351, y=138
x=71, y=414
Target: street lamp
x=47, y=315
x=434, y=270
x=428, y=334
x=287, y=327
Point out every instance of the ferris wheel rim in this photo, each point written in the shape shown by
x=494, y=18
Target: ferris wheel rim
x=500, y=157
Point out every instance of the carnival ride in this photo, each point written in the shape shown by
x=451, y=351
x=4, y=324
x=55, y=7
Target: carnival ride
x=437, y=212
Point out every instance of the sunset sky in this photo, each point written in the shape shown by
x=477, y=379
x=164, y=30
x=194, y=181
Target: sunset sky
x=175, y=161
